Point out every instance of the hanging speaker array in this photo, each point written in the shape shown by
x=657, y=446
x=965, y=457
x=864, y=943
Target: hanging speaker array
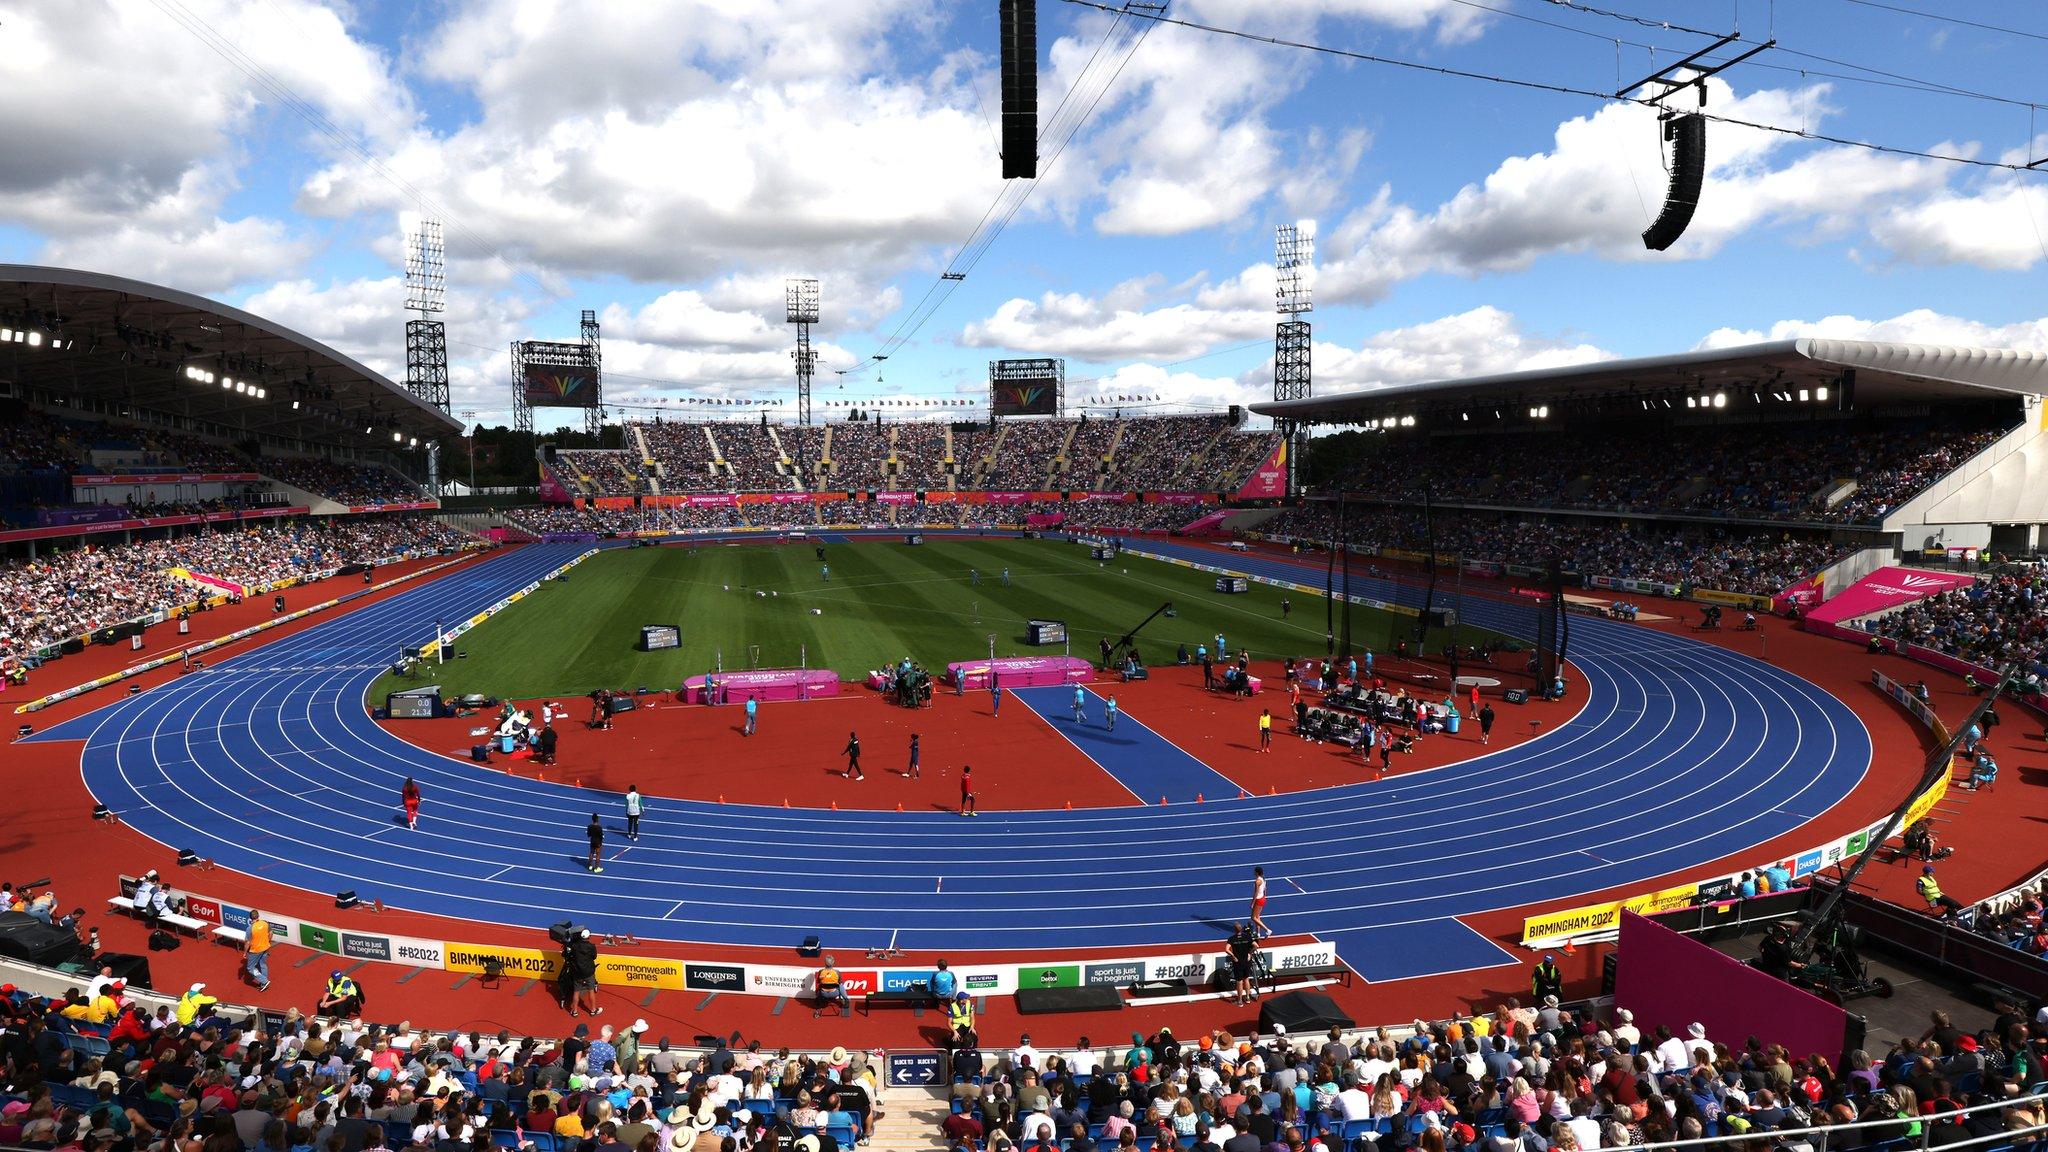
x=1687, y=134
x=1020, y=89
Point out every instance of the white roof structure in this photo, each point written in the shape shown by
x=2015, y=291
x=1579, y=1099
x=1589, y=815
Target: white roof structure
x=1883, y=374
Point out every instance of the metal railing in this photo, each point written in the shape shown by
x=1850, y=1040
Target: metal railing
x=1824, y=1137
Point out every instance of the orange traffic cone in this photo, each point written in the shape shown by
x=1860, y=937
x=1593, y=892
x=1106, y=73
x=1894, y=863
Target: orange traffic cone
x=785, y=801
x=1242, y=794
x=721, y=797
x=899, y=805
x=835, y=805
x=1571, y=948
x=1070, y=805
x=1272, y=791
x=1198, y=797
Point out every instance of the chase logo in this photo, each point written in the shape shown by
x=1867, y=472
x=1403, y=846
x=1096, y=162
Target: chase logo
x=905, y=981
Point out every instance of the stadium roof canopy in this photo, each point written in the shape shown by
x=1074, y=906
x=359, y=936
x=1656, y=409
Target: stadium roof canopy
x=96, y=337
x=1871, y=372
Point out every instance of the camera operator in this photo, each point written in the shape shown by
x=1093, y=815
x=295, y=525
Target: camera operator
x=579, y=974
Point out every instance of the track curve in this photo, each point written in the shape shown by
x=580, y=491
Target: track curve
x=1685, y=752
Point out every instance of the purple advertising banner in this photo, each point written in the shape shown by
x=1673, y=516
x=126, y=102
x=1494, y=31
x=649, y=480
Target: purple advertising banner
x=1677, y=982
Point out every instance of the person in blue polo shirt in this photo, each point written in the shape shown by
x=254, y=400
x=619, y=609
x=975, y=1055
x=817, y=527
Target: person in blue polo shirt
x=753, y=707
x=944, y=984
x=1080, y=704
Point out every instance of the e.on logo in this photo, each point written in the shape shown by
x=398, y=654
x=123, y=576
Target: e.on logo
x=857, y=983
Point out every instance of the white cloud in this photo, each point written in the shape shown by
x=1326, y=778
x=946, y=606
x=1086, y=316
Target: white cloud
x=684, y=320
x=689, y=139
x=1919, y=326
x=1480, y=342
x=122, y=129
x=1119, y=326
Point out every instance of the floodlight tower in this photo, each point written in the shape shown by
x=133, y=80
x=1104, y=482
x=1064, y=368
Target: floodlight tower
x=426, y=340
x=593, y=359
x=802, y=298
x=1294, y=253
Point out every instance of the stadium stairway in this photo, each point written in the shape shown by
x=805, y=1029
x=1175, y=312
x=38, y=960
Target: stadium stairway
x=913, y=1119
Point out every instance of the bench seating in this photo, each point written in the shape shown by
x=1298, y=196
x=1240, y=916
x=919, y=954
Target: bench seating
x=182, y=923
x=915, y=995
x=227, y=935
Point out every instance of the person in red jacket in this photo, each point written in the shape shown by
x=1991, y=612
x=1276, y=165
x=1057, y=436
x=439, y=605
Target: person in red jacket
x=410, y=796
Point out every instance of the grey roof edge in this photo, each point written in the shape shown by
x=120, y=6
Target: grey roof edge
x=107, y=282
x=1998, y=369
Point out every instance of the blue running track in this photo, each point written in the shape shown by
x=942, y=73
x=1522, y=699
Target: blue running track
x=1148, y=765
x=1685, y=752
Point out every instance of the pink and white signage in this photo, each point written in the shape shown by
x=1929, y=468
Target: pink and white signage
x=1270, y=481
x=1887, y=588
x=895, y=497
x=713, y=499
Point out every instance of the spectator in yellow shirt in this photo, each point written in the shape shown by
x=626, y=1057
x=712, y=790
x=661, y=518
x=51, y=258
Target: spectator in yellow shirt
x=194, y=1003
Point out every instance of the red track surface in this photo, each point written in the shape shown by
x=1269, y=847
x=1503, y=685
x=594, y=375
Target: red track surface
x=1021, y=765
x=1020, y=761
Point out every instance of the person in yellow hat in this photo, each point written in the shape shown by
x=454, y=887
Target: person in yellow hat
x=194, y=1003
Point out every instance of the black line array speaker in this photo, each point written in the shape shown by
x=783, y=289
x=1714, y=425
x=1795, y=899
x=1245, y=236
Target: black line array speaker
x=1020, y=89
x=1688, y=136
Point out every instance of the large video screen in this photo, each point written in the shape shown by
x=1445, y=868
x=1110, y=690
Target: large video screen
x=559, y=386
x=1037, y=397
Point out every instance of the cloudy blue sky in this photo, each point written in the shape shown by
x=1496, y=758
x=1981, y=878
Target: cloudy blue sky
x=670, y=162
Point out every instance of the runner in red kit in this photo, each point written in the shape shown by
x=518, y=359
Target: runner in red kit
x=411, y=798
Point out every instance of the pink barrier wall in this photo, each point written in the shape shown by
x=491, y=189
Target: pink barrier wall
x=1021, y=671
x=766, y=684
x=1886, y=588
x=1206, y=525
x=1667, y=978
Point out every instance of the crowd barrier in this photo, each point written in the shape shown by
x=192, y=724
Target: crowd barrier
x=1196, y=966
x=1599, y=921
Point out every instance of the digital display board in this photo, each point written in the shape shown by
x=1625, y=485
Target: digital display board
x=655, y=637
x=559, y=386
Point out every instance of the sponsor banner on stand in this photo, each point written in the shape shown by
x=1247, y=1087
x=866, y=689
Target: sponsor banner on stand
x=714, y=977
x=905, y=979
x=167, y=478
x=655, y=972
x=512, y=961
x=778, y=981
x=1116, y=973
x=1049, y=976
x=895, y=497
x=1733, y=599
x=859, y=983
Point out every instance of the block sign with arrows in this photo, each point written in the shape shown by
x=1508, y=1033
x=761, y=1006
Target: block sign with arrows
x=911, y=1069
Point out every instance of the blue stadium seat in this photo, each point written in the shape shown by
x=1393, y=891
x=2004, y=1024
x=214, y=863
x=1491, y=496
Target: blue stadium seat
x=843, y=1135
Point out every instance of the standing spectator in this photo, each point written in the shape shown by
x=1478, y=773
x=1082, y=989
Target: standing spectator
x=595, y=833
x=753, y=707
x=256, y=949
x=634, y=806
x=852, y=754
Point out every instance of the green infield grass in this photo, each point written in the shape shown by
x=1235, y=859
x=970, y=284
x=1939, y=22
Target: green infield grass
x=761, y=605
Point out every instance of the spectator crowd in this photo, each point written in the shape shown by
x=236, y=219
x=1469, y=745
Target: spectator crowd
x=1754, y=562
x=1793, y=473
x=80, y=590
x=1997, y=622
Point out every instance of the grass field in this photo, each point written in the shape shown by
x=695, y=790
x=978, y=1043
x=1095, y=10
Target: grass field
x=885, y=600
